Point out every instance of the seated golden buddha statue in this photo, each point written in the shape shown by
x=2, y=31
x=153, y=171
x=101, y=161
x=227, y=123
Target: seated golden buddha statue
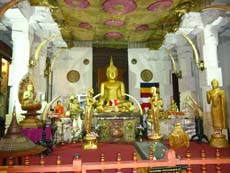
x=112, y=93
x=27, y=96
x=173, y=106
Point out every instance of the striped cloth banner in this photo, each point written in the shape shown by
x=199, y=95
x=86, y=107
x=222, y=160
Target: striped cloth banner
x=145, y=93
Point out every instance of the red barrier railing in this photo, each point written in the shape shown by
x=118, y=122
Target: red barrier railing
x=78, y=166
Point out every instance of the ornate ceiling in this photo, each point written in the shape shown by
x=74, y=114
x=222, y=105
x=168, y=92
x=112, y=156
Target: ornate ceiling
x=117, y=23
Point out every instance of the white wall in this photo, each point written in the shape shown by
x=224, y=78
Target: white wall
x=154, y=61
x=146, y=59
x=72, y=60
x=223, y=56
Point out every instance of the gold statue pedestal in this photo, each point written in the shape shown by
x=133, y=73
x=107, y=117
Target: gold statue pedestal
x=155, y=137
x=31, y=120
x=218, y=141
x=90, y=142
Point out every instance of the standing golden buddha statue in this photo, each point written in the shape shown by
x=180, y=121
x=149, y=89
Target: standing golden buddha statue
x=217, y=98
x=90, y=139
x=154, y=114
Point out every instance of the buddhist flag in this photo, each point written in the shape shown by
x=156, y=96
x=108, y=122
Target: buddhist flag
x=145, y=93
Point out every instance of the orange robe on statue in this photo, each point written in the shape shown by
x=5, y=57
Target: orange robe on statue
x=59, y=109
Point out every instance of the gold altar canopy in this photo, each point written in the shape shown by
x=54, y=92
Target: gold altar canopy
x=118, y=22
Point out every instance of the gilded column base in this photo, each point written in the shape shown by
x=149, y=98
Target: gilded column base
x=155, y=137
x=218, y=140
x=90, y=142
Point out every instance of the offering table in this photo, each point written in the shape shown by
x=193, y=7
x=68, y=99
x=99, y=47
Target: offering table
x=116, y=126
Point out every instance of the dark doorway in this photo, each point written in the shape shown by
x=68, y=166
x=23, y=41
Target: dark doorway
x=101, y=58
x=176, y=93
x=5, y=60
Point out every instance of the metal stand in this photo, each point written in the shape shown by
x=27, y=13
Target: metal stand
x=199, y=130
x=54, y=130
x=228, y=131
x=44, y=142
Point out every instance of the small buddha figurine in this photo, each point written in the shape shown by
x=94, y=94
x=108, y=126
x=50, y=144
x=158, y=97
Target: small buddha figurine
x=75, y=109
x=173, y=106
x=69, y=105
x=112, y=89
x=178, y=138
x=28, y=95
x=59, y=109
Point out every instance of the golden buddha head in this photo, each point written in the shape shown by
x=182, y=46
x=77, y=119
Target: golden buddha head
x=111, y=71
x=153, y=90
x=178, y=125
x=215, y=83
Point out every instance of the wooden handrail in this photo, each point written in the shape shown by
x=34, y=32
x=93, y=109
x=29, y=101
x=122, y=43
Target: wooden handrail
x=79, y=166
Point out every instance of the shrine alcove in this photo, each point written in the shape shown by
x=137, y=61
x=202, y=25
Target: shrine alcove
x=101, y=59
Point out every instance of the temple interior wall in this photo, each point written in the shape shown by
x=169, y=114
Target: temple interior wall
x=73, y=60
x=215, y=54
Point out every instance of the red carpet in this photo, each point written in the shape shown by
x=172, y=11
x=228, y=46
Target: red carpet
x=68, y=151
x=110, y=151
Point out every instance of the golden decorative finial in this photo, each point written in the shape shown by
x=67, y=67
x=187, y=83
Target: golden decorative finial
x=111, y=62
x=111, y=67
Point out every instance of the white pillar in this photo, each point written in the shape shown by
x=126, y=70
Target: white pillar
x=20, y=57
x=187, y=83
x=212, y=71
x=210, y=55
